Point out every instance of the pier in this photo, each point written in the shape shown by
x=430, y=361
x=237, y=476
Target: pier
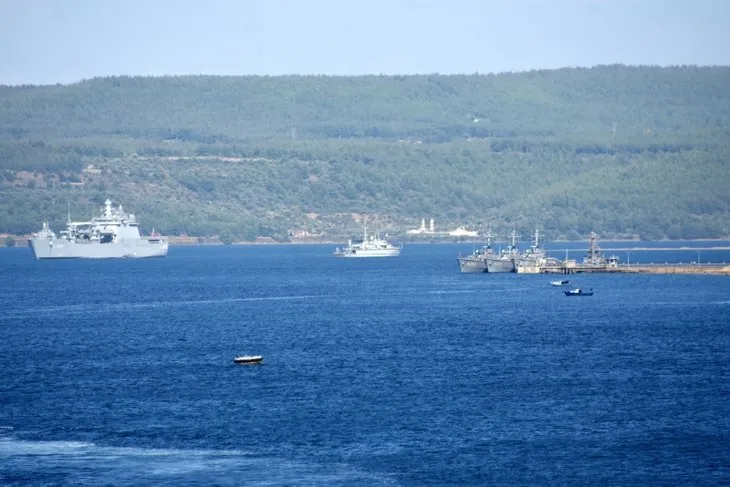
x=675, y=249
x=575, y=268
x=595, y=262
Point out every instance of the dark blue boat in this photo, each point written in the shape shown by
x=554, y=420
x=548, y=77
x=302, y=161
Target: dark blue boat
x=579, y=292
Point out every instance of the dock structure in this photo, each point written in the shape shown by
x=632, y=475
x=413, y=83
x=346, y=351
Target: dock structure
x=575, y=268
x=595, y=262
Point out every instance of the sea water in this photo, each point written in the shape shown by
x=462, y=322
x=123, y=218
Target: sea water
x=392, y=371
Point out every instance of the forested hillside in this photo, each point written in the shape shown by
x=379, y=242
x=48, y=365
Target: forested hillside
x=623, y=151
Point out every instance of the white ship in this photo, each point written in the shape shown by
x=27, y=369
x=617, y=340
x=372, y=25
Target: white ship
x=372, y=246
x=113, y=235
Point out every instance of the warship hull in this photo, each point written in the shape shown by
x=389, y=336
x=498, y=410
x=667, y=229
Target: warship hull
x=468, y=265
x=44, y=248
x=361, y=253
x=498, y=266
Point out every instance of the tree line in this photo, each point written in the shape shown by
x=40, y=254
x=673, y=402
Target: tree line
x=620, y=150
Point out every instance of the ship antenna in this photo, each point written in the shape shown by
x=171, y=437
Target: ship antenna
x=68, y=210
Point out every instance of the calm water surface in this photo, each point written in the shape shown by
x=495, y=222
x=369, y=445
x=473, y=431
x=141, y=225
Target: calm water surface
x=376, y=372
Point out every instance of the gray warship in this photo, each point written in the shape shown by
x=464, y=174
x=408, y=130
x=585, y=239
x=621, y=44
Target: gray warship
x=594, y=258
x=534, y=258
x=113, y=235
x=477, y=261
x=372, y=246
x=505, y=260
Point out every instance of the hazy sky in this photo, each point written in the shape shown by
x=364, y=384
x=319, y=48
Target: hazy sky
x=63, y=41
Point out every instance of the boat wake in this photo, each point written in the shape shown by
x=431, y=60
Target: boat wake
x=102, y=309
x=458, y=291
x=81, y=463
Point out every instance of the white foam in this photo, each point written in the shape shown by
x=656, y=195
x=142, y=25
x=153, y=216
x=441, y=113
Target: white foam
x=19, y=447
x=136, y=465
x=458, y=291
x=106, y=308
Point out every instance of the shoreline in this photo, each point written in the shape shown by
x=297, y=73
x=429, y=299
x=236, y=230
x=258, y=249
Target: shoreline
x=186, y=241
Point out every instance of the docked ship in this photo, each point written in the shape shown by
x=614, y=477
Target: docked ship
x=372, y=246
x=594, y=258
x=534, y=258
x=476, y=262
x=504, y=261
x=113, y=235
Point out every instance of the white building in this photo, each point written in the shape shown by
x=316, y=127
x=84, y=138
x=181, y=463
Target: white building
x=422, y=230
x=463, y=232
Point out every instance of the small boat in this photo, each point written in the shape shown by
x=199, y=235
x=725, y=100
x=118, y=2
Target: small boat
x=579, y=292
x=248, y=359
x=560, y=283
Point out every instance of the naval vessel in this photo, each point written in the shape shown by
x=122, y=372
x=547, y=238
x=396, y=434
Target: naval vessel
x=534, y=258
x=112, y=235
x=505, y=260
x=477, y=261
x=372, y=246
x=594, y=258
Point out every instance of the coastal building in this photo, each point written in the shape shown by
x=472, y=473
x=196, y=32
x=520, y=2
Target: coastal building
x=422, y=230
x=463, y=232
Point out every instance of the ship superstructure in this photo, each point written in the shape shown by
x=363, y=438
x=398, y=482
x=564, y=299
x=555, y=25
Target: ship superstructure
x=594, y=258
x=534, y=258
x=504, y=261
x=371, y=246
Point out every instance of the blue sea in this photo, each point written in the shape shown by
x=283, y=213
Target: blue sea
x=376, y=372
